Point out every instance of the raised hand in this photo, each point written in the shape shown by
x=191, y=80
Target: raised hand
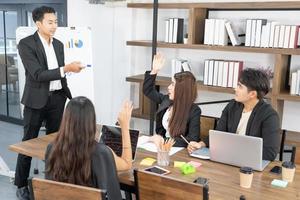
x=125, y=114
x=158, y=63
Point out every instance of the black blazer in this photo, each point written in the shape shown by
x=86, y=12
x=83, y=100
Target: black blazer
x=38, y=76
x=263, y=122
x=192, y=132
x=103, y=171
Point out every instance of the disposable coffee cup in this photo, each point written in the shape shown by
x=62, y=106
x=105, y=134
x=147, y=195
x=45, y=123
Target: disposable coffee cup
x=288, y=171
x=246, y=176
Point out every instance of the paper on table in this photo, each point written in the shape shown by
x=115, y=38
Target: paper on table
x=142, y=140
x=144, y=143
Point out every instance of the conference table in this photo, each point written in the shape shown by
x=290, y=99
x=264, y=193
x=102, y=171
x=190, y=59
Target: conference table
x=223, y=179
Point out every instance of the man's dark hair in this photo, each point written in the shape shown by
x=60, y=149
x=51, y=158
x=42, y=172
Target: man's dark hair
x=38, y=13
x=256, y=80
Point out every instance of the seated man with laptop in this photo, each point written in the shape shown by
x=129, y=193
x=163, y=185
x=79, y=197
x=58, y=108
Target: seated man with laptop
x=248, y=114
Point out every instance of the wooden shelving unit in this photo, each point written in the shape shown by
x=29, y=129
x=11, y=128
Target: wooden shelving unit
x=222, y=5
x=287, y=97
x=166, y=81
x=198, y=12
x=243, y=49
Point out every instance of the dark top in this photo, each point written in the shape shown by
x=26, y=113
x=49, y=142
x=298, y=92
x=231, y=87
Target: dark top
x=192, y=132
x=263, y=122
x=38, y=76
x=104, y=174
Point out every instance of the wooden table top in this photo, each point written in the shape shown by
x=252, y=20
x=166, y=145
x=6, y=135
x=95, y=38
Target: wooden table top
x=223, y=179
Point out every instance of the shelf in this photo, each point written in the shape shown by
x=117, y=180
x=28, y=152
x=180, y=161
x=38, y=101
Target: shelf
x=222, y=5
x=160, y=80
x=136, y=113
x=288, y=97
x=147, y=43
x=166, y=81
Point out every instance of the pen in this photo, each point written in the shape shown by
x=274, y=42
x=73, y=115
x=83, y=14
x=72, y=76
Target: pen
x=184, y=139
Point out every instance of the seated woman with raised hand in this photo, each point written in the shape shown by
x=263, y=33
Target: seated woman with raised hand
x=177, y=113
x=249, y=114
x=75, y=156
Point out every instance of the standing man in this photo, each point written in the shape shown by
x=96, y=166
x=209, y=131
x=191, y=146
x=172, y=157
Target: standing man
x=46, y=88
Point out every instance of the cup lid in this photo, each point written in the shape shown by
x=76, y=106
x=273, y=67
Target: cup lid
x=246, y=170
x=288, y=164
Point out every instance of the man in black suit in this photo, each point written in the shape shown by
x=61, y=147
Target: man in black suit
x=46, y=88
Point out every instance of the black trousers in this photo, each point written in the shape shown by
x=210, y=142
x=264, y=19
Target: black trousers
x=51, y=113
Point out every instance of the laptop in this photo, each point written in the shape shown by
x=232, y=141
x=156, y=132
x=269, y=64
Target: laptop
x=112, y=137
x=234, y=149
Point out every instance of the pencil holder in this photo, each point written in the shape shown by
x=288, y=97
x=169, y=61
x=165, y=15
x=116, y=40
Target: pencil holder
x=163, y=158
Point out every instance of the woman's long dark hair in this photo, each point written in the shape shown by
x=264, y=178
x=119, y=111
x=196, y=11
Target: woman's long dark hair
x=184, y=96
x=70, y=156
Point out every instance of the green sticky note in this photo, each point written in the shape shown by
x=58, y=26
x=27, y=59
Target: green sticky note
x=178, y=163
x=187, y=169
x=279, y=183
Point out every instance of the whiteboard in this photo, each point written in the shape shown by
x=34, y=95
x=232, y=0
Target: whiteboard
x=78, y=47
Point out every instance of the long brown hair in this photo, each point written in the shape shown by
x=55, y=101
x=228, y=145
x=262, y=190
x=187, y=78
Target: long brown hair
x=184, y=96
x=70, y=156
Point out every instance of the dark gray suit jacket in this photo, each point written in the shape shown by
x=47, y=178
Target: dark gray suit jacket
x=38, y=76
x=263, y=123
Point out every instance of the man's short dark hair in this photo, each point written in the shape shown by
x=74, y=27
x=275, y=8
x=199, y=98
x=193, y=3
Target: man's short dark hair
x=38, y=13
x=257, y=80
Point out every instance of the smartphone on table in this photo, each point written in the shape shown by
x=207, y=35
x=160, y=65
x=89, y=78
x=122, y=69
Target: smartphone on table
x=276, y=170
x=157, y=170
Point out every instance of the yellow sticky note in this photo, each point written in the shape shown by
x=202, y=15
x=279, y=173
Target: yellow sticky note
x=147, y=161
x=178, y=163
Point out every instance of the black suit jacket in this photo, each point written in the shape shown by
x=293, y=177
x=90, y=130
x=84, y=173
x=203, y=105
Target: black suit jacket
x=263, y=122
x=192, y=132
x=38, y=76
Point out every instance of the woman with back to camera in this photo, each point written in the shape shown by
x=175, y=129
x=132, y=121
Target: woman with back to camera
x=177, y=113
x=75, y=156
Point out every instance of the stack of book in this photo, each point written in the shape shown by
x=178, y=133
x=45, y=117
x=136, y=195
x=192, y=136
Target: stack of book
x=174, y=30
x=223, y=73
x=215, y=32
x=261, y=33
x=295, y=83
x=180, y=65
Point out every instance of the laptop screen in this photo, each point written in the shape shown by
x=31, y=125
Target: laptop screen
x=112, y=137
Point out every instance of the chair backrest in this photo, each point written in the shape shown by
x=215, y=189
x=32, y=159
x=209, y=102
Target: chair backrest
x=297, y=156
x=206, y=124
x=42, y=189
x=151, y=186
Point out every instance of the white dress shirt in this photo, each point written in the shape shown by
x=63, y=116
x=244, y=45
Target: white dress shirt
x=52, y=63
x=165, y=121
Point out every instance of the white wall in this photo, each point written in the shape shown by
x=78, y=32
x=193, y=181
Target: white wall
x=113, y=60
x=111, y=28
